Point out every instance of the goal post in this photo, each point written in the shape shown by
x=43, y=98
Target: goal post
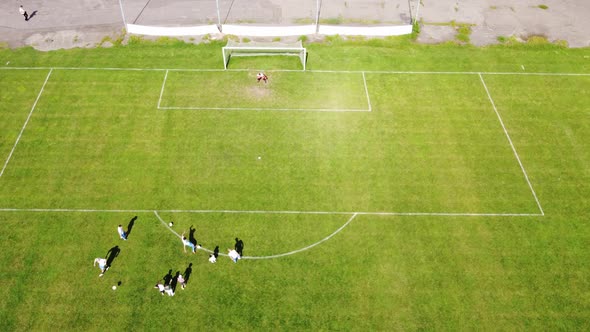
x=234, y=48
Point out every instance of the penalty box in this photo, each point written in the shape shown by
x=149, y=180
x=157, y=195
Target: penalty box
x=284, y=91
x=434, y=146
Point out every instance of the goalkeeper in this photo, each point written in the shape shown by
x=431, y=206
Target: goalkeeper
x=261, y=76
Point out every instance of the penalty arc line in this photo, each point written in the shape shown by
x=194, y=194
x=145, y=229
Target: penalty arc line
x=25, y=124
x=308, y=247
x=511, y=144
x=178, y=235
x=271, y=256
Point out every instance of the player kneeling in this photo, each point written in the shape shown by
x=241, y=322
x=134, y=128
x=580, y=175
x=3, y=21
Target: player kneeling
x=261, y=76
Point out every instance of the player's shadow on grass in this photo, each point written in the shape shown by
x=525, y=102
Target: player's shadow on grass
x=187, y=272
x=112, y=254
x=174, y=281
x=239, y=246
x=168, y=278
x=191, y=235
x=130, y=225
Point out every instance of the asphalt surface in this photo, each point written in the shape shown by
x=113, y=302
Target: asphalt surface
x=85, y=23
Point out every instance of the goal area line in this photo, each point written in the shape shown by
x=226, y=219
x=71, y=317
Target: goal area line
x=282, y=109
x=263, y=109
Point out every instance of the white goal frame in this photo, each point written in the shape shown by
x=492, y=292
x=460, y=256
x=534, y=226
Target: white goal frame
x=234, y=48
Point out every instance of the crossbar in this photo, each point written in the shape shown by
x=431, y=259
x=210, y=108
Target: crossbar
x=233, y=49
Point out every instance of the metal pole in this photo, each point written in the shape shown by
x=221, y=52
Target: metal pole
x=224, y=61
x=123, y=14
x=317, y=16
x=417, y=11
x=218, y=17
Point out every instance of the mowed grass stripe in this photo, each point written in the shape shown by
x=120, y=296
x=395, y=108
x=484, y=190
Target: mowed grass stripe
x=284, y=91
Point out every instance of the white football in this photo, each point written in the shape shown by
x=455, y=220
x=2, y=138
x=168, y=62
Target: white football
x=170, y=224
x=114, y=287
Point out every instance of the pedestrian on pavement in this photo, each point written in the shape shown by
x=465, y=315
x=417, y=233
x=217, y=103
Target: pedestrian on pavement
x=23, y=12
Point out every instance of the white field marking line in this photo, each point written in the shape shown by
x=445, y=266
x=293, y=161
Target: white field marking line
x=469, y=73
x=311, y=71
x=263, y=109
x=162, y=90
x=271, y=256
x=434, y=214
x=367, y=92
x=305, y=248
x=75, y=210
x=25, y=124
x=165, y=224
x=511, y=144
x=180, y=237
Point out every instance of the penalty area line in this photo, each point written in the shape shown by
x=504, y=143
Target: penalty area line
x=26, y=122
x=511, y=144
x=367, y=92
x=162, y=90
x=410, y=214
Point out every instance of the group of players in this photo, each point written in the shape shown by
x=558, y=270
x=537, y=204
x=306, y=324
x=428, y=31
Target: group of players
x=234, y=254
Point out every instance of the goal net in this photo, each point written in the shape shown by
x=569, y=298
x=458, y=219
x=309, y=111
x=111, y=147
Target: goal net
x=234, y=48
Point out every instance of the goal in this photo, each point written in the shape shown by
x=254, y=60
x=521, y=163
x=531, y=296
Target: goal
x=234, y=48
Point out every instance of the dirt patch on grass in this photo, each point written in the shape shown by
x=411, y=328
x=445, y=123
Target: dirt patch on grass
x=259, y=91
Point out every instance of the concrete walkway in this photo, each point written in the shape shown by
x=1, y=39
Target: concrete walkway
x=84, y=23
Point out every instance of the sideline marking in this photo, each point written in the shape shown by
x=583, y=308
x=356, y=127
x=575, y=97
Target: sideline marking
x=162, y=90
x=367, y=92
x=410, y=214
x=271, y=256
x=511, y=145
x=26, y=122
x=311, y=71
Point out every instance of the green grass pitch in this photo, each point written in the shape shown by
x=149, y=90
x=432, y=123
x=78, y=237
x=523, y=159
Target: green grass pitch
x=373, y=192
